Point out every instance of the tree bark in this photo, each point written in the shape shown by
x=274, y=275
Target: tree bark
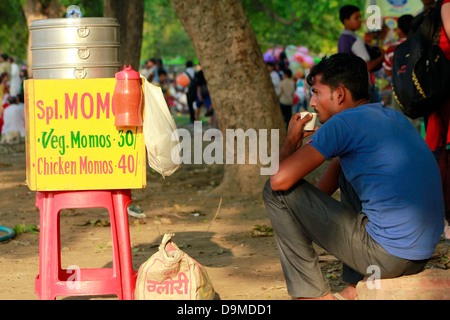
x=36, y=10
x=130, y=15
x=241, y=90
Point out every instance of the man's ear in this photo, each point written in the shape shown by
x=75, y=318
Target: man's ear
x=340, y=94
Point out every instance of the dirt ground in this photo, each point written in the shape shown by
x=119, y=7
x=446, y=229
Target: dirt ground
x=236, y=247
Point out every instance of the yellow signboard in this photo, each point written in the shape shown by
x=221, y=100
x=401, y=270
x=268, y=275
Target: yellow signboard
x=72, y=142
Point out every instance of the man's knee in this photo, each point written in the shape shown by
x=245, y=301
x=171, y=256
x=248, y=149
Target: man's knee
x=297, y=191
x=298, y=188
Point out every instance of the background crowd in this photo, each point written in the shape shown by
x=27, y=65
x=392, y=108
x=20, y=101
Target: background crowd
x=185, y=91
x=376, y=47
x=12, y=115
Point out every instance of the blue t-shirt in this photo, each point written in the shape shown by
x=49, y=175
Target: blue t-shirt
x=394, y=174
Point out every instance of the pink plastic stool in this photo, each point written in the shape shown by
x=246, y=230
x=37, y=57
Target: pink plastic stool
x=53, y=281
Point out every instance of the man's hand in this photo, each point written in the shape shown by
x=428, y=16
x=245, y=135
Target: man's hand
x=295, y=128
x=295, y=135
x=295, y=162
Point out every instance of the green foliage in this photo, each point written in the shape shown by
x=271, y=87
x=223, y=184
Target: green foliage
x=89, y=8
x=164, y=36
x=13, y=30
x=22, y=228
x=314, y=24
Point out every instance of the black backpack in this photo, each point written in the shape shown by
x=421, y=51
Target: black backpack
x=420, y=70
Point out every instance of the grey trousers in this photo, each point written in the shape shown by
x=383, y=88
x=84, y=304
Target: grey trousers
x=304, y=214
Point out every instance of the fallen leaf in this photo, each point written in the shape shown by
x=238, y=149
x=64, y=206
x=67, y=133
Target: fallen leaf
x=262, y=231
x=95, y=223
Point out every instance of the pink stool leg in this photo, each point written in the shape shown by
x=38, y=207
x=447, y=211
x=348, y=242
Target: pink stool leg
x=121, y=200
x=49, y=246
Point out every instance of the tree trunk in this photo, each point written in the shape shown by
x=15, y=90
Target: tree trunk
x=130, y=15
x=36, y=10
x=241, y=90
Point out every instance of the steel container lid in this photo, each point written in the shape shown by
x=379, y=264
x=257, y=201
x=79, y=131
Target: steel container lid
x=74, y=22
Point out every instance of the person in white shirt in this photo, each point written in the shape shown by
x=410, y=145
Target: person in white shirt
x=149, y=69
x=14, y=82
x=274, y=76
x=286, y=95
x=14, y=121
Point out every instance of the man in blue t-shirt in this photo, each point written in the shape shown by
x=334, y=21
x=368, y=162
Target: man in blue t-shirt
x=391, y=213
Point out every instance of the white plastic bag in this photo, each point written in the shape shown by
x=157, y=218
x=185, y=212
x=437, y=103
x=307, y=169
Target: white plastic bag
x=160, y=131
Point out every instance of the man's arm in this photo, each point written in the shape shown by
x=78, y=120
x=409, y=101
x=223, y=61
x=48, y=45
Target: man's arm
x=360, y=50
x=295, y=161
x=373, y=63
x=295, y=167
x=329, y=181
x=280, y=89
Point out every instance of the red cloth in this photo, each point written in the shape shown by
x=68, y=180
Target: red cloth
x=438, y=134
x=2, y=122
x=445, y=41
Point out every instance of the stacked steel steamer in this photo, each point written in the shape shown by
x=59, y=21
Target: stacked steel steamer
x=75, y=47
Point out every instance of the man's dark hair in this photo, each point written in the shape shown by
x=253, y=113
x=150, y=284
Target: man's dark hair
x=189, y=64
x=161, y=71
x=343, y=69
x=404, y=23
x=13, y=100
x=346, y=12
x=288, y=72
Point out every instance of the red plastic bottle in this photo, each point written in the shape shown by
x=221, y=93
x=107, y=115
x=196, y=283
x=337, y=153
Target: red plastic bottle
x=127, y=98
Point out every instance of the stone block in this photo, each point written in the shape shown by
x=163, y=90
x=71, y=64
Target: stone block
x=430, y=284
